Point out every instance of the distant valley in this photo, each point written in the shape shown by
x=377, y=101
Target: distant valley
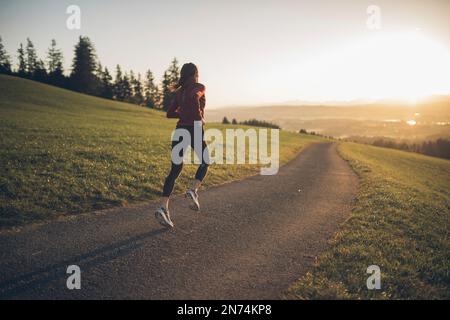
x=429, y=119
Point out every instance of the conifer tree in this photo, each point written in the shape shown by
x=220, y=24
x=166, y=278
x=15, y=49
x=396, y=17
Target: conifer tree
x=107, y=88
x=31, y=58
x=118, y=92
x=151, y=91
x=5, y=60
x=83, y=77
x=55, y=65
x=136, y=83
x=40, y=73
x=170, y=80
x=126, y=88
x=22, y=65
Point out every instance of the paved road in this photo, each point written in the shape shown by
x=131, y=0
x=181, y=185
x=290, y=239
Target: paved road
x=252, y=239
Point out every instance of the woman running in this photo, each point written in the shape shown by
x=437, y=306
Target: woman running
x=188, y=106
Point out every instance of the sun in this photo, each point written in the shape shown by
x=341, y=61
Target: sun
x=407, y=66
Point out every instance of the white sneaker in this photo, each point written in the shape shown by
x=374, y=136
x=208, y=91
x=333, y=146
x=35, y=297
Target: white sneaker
x=163, y=217
x=193, y=196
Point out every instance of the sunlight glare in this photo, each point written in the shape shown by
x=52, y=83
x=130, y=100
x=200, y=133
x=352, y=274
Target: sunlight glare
x=407, y=66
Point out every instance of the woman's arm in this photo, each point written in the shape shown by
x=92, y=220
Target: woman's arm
x=172, y=112
x=202, y=101
x=201, y=95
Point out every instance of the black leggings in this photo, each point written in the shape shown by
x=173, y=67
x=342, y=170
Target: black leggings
x=175, y=170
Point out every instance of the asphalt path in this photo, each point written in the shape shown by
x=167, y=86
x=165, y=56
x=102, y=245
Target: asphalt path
x=251, y=240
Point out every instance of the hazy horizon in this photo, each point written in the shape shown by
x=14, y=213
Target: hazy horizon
x=257, y=52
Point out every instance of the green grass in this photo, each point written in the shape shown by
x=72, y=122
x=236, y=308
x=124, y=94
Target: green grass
x=65, y=153
x=400, y=222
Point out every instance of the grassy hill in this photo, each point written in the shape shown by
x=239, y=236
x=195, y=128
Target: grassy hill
x=400, y=222
x=64, y=153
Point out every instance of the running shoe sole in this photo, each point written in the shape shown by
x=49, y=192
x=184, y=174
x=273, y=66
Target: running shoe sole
x=194, y=205
x=162, y=221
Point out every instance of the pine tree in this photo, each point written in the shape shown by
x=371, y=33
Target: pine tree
x=132, y=80
x=40, y=73
x=54, y=58
x=225, y=120
x=174, y=71
x=99, y=70
x=136, y=83
x=126, y=88
x=31, y=59
x=170, y=79
x=118, y=92
x=122, y=86
x=166, y=91
x=107, y=90
x=22, y=65
x=151, y=91
x=55, y=65
x=5, y=60
x=83, y=77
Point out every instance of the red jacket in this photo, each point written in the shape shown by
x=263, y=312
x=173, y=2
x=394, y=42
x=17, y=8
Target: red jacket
x=188, y=105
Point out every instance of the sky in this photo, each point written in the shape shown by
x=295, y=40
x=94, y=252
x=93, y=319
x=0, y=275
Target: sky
x=257, y=52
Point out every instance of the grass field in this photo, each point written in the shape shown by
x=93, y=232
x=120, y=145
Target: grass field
x=401, y=223
x=64, y=153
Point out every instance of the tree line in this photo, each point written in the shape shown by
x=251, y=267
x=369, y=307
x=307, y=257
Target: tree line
x=252, y=122
x=87, y=75
x=438, y=148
